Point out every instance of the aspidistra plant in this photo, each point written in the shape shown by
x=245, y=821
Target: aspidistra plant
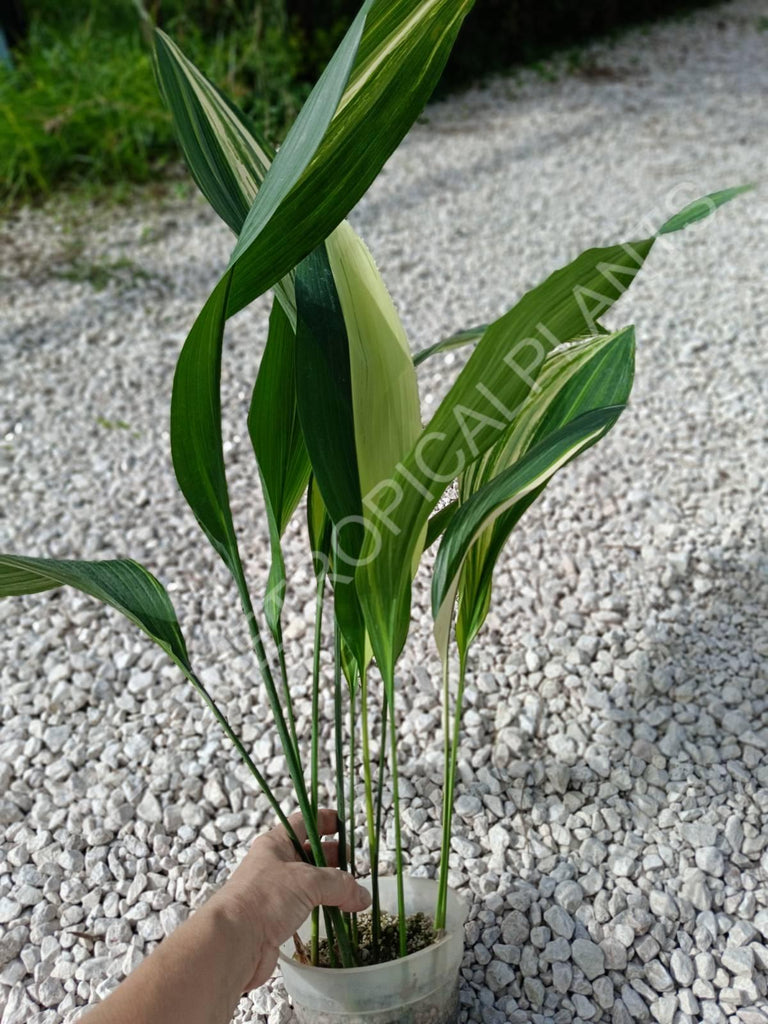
x=335, y=413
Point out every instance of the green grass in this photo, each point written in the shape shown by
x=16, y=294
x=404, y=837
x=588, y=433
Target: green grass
x=81, y=107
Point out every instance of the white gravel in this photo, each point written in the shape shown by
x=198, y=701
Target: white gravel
x=612, y=825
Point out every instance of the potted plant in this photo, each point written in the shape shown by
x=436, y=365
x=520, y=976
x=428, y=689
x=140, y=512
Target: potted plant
x=335, y=417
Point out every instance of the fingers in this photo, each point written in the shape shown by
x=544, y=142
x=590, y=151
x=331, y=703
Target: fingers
x=296, y=822
x=327, y=824
x=327, y=821
x=331, y=851
x=333, y=888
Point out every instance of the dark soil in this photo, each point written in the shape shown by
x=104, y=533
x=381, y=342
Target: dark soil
x=420, y=933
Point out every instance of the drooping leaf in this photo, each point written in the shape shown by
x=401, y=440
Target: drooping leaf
x=500, y=494
x=589, y=375
x=278, y=443
x=374, y=87
x=140, y=597
x=121, y=583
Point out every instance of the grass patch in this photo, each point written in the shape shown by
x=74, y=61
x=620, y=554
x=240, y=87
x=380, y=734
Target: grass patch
x=81, y=106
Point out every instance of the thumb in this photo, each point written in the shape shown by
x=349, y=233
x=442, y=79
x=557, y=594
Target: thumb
x=339, y=889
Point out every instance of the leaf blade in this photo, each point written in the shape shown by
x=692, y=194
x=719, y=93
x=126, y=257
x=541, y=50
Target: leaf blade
x=595, y=373
x=122, y=583
x=701, y=208
x=500, y=494
x=225, y=156
x=489, y=391
x=368, y=120
x=197, y=450
x=278, y=444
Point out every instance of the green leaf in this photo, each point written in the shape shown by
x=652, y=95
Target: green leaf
x=374, y=87
x=324, y=390
x=385, y=394
x=458, y=340
x=226, y=157
x=357, y=398
x=196, y=443
x=318, y=528
x=223, y=150
x=701, y=208
x=437, y=523
x=278, y=443
x=122, y=583
x=485, y=398
x=588, y=375
x=499, y=495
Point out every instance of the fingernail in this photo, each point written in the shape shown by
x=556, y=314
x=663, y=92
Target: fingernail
x=364, y=897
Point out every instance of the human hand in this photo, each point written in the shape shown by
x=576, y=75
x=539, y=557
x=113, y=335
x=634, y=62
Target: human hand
x=272, y=892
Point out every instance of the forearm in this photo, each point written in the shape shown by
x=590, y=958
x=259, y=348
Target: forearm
x=196, y=976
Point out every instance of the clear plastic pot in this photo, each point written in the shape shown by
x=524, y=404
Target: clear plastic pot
x=422, y=988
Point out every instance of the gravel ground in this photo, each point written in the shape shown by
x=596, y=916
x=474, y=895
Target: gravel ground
x=611, y=826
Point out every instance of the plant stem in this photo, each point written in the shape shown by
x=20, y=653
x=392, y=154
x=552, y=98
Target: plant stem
x=446, y=838
x=351, y=830
x=338, y=729
x=294, y=764
x=235, y=740
x=401, y=922
x=314, y=743
x=278, y=635
x=449, y=785
x=376, y=901
x=369, y=818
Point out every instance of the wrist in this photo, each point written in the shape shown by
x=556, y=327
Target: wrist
x=241, y=934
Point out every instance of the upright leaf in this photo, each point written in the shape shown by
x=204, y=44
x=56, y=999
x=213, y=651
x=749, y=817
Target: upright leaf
x=196, y=443
x=121, y=583
x=374, y=87
x=278, y=444
x=223, y=150
x=500, y=494
x=226, y=157
x=385, y=395
x=357, y=398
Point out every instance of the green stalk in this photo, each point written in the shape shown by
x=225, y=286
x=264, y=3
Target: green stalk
x=351, y=830
x=449, y=785
x=314, y=753
x=286, y=688
x=338, y=729
x=369, y=818
x=294, y=765
x=376, y=900
x=401, y=922
x=442, y=885
x=235, y=740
